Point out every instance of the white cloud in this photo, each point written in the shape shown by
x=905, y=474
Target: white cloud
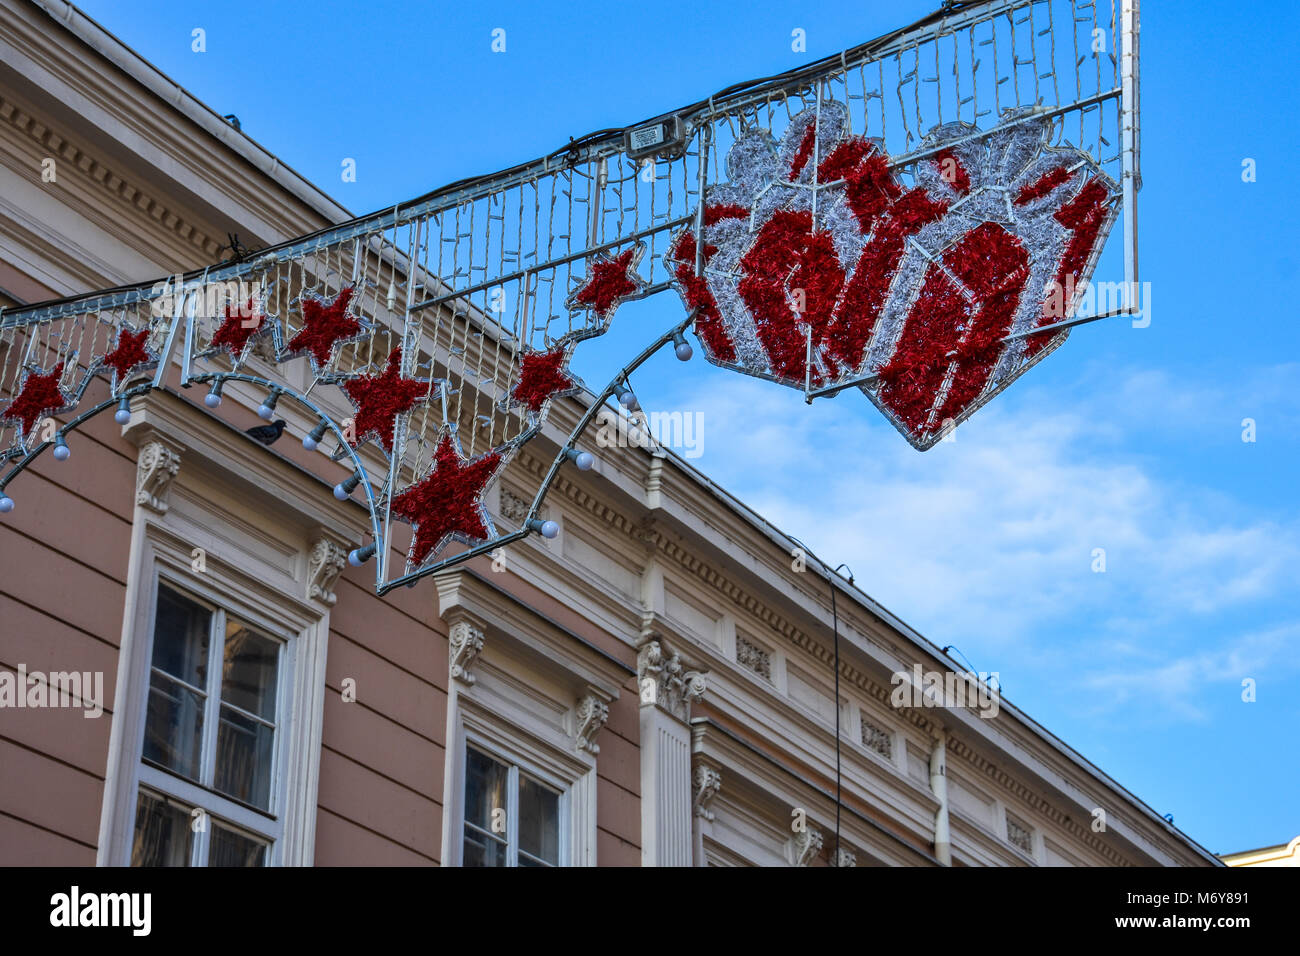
x=987, y=542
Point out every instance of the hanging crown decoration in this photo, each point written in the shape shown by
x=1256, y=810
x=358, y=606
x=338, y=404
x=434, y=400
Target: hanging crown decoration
x=916, y=218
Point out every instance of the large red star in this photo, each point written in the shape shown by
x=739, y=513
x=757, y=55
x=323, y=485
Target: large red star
x=324, y=326
x=541, y=377
x=39, y=396
x=239, y=327
x=611, y=282
x=130, y=354
x=448, y=502
x=381, y=398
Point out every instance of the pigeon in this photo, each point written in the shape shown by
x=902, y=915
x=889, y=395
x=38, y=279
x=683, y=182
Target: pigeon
x=267, y=434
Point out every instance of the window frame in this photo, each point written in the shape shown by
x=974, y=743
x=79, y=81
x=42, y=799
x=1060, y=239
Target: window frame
x=266, y=825
x=485, y=723
x=515, y=769
x=162, y=552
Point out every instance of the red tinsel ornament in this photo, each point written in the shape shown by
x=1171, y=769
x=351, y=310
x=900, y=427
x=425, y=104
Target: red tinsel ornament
x=380, y=399
x=447, y=503
x=130, y=354
x=916, y=293
x=239, y=327
x=542, y=377
x=39, y=396
x=325, y=327
x=611, y=282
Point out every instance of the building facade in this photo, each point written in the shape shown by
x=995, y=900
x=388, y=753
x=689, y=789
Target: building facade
x=653, y=686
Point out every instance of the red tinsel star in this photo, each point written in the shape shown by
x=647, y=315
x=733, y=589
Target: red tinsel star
x=38, y=397
x=381, y=398
x=541, y=377
x=611, y=282
x=239, y=327
x=324, y=326
x=130, y=354
x=448, y=502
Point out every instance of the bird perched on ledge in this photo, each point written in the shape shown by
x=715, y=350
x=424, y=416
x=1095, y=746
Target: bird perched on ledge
x=267, y=434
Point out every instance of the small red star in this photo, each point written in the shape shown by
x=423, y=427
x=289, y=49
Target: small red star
x=239, y=327
x=381, y=398
x=448, y=502
x=611, y=282
x=130, y=354
x=325, y=326
x=541, y=377
x=38, y=397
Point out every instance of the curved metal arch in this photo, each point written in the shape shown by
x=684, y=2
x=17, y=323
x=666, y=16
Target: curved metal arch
x=332, y=426
x=73, y=425
x=534, y=509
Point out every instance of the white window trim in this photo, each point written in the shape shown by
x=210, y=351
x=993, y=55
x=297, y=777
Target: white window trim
x=575, y=779
x=157, y=551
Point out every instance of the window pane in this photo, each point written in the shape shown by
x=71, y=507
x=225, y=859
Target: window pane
x=180, y=637
x=244, y=748
x=539, y=822
x=173, y=726
x=162, y=833
x=485, y=791
x=482, y=849
x=249, y=670
x=229, y=848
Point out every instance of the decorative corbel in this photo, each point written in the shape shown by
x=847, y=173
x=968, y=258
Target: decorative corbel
x=804, y=845
x=707, y=783
x=465, y=641
x=845, y=857
x=592, y=712
x=156, y=466
x=325, y=562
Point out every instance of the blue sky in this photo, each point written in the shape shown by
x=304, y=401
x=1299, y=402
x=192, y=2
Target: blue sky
x=1126, y=439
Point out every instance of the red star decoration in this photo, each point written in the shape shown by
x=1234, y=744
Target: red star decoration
x=39, y=396
x=541, y=377
x=325, y=325
x=237, y=331
x=130, y=354
x=611, y=282
x=381, y=398
x=448, y=502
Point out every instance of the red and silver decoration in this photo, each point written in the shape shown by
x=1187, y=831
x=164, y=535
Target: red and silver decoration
x=816, y=249
x=130, y=355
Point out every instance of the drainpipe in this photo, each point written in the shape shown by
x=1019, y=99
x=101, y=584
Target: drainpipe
x=939, y=786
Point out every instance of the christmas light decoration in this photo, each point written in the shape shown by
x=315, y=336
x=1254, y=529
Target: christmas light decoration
x=326, y=328
x=915, y=294
x=543, y=376
x=447, y=503
x=39, y=396
x=130, y=355
x=381, y=399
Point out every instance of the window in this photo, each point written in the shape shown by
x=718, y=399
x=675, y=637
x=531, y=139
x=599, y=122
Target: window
x=208, y=759
x=511, y=818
